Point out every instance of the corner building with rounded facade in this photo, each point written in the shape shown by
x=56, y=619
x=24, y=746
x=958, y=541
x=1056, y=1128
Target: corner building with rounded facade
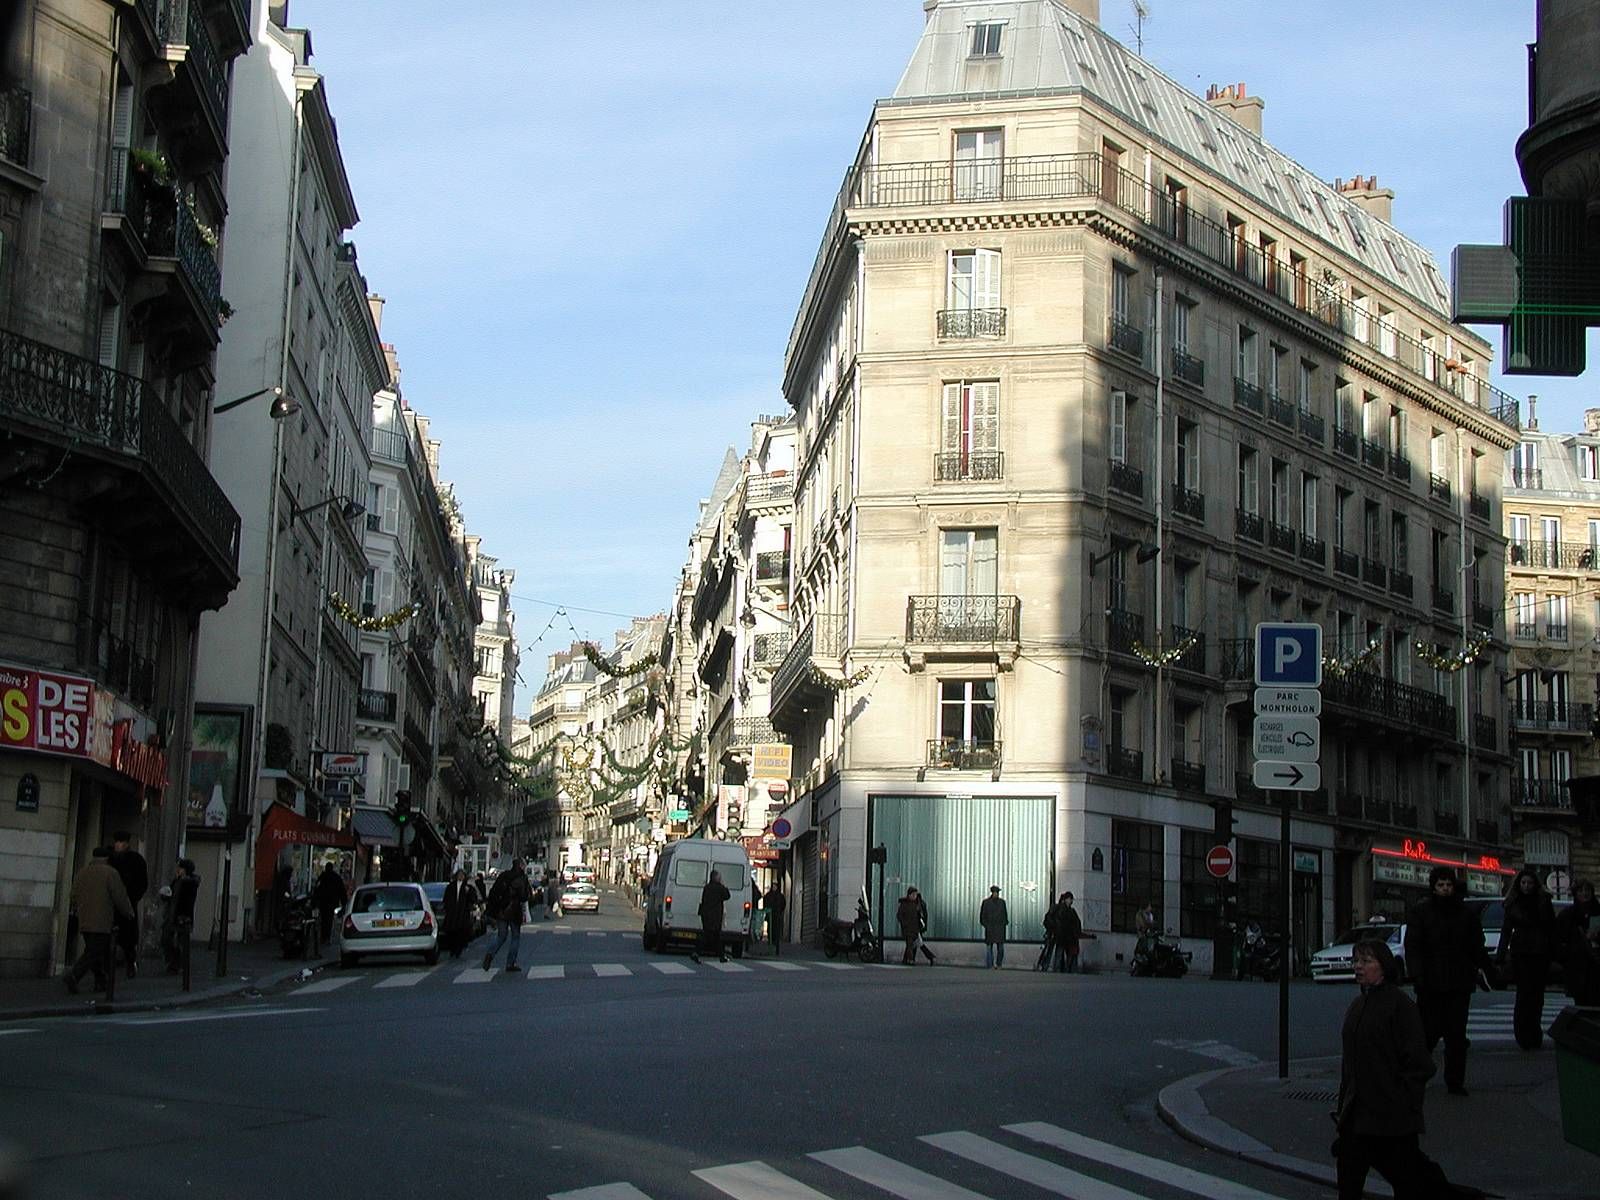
x=1089, y=379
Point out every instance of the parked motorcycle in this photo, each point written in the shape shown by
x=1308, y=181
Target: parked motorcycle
x=1260, y=955
x=852, y=937
x=297, y=926
x=1160, y=957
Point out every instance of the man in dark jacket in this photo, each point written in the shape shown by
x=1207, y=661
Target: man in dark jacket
x=994, y=918
x=328, y=895
x=1069, y=934
x=1578, y=939
x=506, y=900
x=179, y=918
x=712, y=897
x=130, y=865
x=1385, y=1066
x=100, y=899
x=1528, y=937
x=1444, y=953
x=922, y=926
x=776, y=902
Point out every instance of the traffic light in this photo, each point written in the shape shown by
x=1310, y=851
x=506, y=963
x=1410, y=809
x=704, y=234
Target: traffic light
x=402, y=807
x=1222, y=815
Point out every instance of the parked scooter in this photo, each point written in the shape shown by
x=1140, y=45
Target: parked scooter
x=1260, y=954
x=1160, y=957
x=297, y=926
x=852, y=937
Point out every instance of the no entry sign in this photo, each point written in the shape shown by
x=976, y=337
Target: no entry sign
x=1219, y=861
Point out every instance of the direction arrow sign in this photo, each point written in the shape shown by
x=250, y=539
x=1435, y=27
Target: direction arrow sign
x=1288, y=776
x=1288, y=702
x=1289, y=654
x=1288, y=739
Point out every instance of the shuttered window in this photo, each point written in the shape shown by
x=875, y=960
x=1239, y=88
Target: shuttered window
x=1119, y=426
x=970, y=422
x=974, y=280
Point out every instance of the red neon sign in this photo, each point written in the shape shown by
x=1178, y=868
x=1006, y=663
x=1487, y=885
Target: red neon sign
x=1417, y=850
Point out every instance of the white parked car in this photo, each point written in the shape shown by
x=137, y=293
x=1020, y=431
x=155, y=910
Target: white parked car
x=1332, y=963
x=580, y=897
x=388, y=918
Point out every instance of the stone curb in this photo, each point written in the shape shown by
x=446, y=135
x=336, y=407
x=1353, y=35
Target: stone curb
x=1183, y=1108
x=94, y=1008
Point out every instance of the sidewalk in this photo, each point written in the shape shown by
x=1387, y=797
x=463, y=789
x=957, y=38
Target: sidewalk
x=252, y=966
x=1505, y=1137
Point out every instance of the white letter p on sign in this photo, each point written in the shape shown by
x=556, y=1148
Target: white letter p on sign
x=1285, y=651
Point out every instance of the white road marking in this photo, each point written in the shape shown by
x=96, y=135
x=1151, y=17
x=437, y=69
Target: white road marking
x=474, y=975
x=606, y=1191
x=597, y=933
x=547, y=971
x=1210, y=1048
x=838, y=966
x=1050, y=1176
x=773, y=964
x=893, y=1177
x=406, y=979
x=9, y=1032
x=757, y=1181
x=727, y=966
x=562, y=929
x=673, y=968
x=605, y=970
x=332, y=983
x=216, y=1016
x=1137, y=1164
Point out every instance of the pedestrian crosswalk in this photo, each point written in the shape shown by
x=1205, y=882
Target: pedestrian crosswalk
x=1492, y=1022
x=1043, y=1156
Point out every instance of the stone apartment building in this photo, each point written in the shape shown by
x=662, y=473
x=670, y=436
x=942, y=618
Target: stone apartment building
x=1552, y=524
x=559, y=717
x=114, y=536
x=1089, y=378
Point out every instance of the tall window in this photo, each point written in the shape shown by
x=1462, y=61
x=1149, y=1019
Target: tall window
x=1182, y=323
x=970, y=424
x=1371, y=529
x=1587, y=463
x=1524, y=459
x=1556, y=625
x=1182, y=594
x=1308, y=386
x=1439, y=454
x=966, y=711
x=1308, y=505
x=986, y=39
x=1397, y=431
x=968, y=562
x=1341, y=516
x=1280, y=492
x=1550, y=535
x=1117, y=578
x=1399, y=542
x=1188, y=464
x=1249, y=480
x=1429, y=369
x=1277, y=370
x=1524, y=603
x=978, y=156
x=1249, y=366
x=1344, y=412
x=1121, y=293
x=1119, y=427
x=1135, y=872
x=974, y=280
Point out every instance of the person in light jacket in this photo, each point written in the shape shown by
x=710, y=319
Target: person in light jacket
x=993, y=917
x=100, y=899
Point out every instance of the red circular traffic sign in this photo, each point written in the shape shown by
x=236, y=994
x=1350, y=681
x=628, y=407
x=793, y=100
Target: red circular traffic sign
x=1219, y=861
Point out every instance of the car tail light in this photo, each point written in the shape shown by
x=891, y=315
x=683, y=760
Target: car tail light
x=349, y=923
x=747, y=908
x=667, y=901
x=427, y=919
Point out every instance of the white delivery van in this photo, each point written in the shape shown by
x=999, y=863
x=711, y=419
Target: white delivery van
x=672, y=907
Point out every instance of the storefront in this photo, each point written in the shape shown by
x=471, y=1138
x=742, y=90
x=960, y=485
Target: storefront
x=292, y=850
x=1400, y=872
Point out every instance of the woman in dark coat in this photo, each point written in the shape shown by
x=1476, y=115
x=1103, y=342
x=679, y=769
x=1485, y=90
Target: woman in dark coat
x=1579, y=946
x=1528, y=934
x=460, y=899
x=909, y=914
x=1385, y=1066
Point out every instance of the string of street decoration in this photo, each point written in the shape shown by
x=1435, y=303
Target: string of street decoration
x=821, y=679
x=1164, y=658
x=1467, y=655
x=373, y=624
x=1340, y=667
x=592, y=653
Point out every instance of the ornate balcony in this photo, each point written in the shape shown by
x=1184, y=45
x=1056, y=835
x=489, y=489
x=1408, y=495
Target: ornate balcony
x=1571, y=556
x=944, y=619
x=1400, y=467
x=1124, y=763
x=772, y=568
x=1311, y=426
x=1552, y=716
x=1194, y=658
x=1123, y=629
x=1540, y=793
x=1247, y=395
x=1126, y=338
x=1128, y=480
x=1439, y=488
x=1373, y=455
x=974, y=465
x=972, y=322
x=375, y=705
x=96, y=418
x=802, y=682
x=1238, y=659
x=1372, y=699
x=753, y=731
x=1400, y=583
x=1248, y=525
x=1283, y=538
x=1281, y=411
x=1556, y=632
x=1478, y=507
x=1314, y=550
x=1345, y=442
x=768, y=649
x=1188, y=776
x=774, y=490
x=1186, y=368
x=16, y=125
x=1346, y=562
x=1186, y=502
x=960, y=754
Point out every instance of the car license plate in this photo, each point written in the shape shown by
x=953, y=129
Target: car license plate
x=388, y=923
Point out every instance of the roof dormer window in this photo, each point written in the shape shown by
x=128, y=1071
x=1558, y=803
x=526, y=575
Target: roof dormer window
x=986, y=39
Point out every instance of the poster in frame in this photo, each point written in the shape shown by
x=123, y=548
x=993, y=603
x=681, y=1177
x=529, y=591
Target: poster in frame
x=219, y=756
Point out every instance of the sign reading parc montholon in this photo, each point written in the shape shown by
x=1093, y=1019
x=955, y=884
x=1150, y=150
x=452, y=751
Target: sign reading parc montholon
x=1288, y=701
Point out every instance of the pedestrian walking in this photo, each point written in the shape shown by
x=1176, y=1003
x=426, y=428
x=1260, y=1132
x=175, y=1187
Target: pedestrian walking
x=712, y=898
x=1069, y=934
x=1528, y=938
x=135, y=873
x=99, y=897
x=1444, y=953
x=1578, y=936
x=178, y=919
x=1385, y=1066
x=922, y=926
x=1047, y=952
x=459, y=899
x=994, y=918
x=506, y=900
x=910, y=921
x=552, y=895
x=328, y=895
x=776, y=902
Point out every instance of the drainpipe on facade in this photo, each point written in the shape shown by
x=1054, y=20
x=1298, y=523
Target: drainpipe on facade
x=1467, y=827
x=1158, y=773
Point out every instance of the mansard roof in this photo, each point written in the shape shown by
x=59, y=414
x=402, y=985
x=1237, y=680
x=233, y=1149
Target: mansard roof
x=1047, y=49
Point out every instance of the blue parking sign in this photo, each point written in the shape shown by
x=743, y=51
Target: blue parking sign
x=1288, y=654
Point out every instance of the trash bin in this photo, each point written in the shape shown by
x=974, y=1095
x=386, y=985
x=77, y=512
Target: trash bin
x=1576, y=1034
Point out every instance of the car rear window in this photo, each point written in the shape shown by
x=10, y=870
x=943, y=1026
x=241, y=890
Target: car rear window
x=693, y=872
x=388, y=899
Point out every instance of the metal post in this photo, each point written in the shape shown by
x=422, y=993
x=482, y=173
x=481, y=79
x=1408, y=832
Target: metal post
x=185, y=933
x=222, y=937
x=1284, y=799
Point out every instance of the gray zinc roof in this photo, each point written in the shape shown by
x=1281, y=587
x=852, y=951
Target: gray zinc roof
x=1046, y=48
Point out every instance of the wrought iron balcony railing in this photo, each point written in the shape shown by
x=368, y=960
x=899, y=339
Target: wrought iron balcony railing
x=1283, y=538
x=1313, y=549
x=976, y=465
x=754, y=731
x=391, y=446
x=1128, y=480
x=1194, y=658
x=1556, y=632
x=1248, y=525
x=1123, y=629
x=972, y=322
x=774, y=489
x=1126, y=338
x=1346, y=442
x=1188, y=776
x=1553, y=716
x=1374, y=572
x=1525, y=630
x=768, y=649
x=123, y=669
x=1125, y=763
x=1439, y=488
x=1527, y=478
x=1311, y=426
x=1346, y=562
x=1373, y=455
x=1483, y=616
x=1371, y=697
x=1485, y=732
x=1539, y=793
x=937, y=619
x=196, y=260
x=963, y=754
x=1400, y=466
x=1187, y=368
x=211, y=78
x=1400, y=583
x=1574, y=556
x=1478, y=506
x=76, y=398
x=1444, y=600
x=375, y=705
x=772, y=566
x=16, y=124
x=1281, y=410
x=1247, y=395
x=1238, y=658
x=1186, y=502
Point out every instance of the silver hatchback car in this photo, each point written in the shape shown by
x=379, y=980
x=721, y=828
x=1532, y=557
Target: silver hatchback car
x=388, y=918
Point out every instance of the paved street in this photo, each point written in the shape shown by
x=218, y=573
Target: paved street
x=595, y=1067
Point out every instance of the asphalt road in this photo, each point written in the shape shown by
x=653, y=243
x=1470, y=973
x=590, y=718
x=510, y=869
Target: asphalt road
x=599, y=1066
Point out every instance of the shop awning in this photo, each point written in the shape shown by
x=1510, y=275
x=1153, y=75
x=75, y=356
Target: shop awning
x=375, y=826
x=281, y=827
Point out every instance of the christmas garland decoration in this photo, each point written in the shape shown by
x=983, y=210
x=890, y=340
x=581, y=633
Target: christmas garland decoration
x=1164, y=658
x=592, y=653
x=823, y=680
x=1340, y=667
x=1470, y=653
x=374, y=624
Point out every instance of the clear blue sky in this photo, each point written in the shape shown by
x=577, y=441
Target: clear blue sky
x=593, y=222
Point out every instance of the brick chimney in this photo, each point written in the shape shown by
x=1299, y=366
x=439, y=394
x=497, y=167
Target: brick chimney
x=1378, y=202
x=1591, y=420
x=1230, y=100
